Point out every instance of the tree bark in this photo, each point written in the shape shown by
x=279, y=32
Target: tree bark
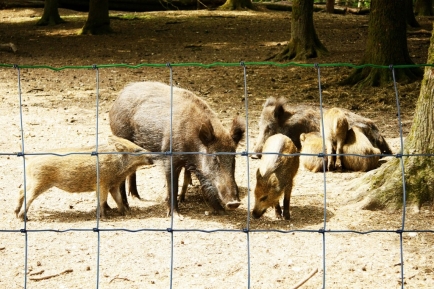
x=386, y=45
x=51, y=14
x=304, y=42
x=423, y=8
x=385, y=184
x=330, y=6
x=409, y=14
x=98, y=21
x=236, y=5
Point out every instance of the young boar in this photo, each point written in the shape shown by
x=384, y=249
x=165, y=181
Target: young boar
x=144, y=113
x=292, y=120
x=335, y=132
x=275, y=175
x=312, y=143
x=77, y=173
x=357, y=143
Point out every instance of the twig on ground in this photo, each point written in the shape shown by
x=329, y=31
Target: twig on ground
x=305, y=279
x=9, y=46
x=50, y=276
x=37, y=273
x=120, y=278
x=2, y=248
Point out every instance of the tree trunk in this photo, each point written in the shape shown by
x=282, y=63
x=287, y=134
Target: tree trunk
x=51, y=14
x=385, y=184
x=423, y=8
x=98, y=21
x=386, y=45
x=409, y=14
x=236, y=5
x=304, y=42
x=330, y=6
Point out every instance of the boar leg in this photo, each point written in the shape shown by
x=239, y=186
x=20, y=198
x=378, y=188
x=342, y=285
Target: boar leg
x=19, y=203
x=132, y=186
x=286, y=201
x=116, y=194
x=187, y=181
x=329, y=151
x=123, y=193
x=172, y=194
x=278, y=211
x=339, y=150
x=32, y=194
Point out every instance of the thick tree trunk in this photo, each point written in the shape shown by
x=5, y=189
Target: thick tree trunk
x=98, y=21
x=236, y=5
x=304, y=42
x=385, y=184
x=386, y=45
x=51, y=14
x=423, y=8
x=409, y=14
x=330, y=6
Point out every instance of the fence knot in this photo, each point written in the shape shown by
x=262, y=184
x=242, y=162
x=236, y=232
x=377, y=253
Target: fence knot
x=96, y=230
x=321, y=231
x=398, y=156
x=244, y=154
x=170, y=230
x=321, y=155
x=94, y=66
x=242, y=64
x=94, y=153
x=391, y=66
x=23, y=231
x=316, y=65
x=245, y=230
x=168, y=153
x=168, y=65
x=20, y=154
x=399, y=231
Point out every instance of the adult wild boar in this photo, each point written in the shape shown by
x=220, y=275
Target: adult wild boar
x=76, y=173
x=144, y=112
x=275, y=175
x=335, y=132
x=292, y=120
x=359, y=154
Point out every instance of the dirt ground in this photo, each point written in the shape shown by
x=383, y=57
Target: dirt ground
x=60, y=108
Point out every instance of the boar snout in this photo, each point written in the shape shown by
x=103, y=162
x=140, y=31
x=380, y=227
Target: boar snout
x=233, y=205
x=256, y=213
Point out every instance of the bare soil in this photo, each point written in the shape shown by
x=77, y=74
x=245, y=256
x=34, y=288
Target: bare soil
x=60, y=110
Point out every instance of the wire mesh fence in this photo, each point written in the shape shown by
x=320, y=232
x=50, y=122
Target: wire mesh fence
x=169, y=234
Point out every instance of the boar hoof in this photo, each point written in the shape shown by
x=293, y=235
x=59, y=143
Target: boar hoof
x=233, y=205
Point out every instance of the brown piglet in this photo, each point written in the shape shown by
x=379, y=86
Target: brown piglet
x=76, y=173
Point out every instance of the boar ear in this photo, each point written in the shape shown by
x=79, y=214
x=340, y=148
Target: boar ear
x=238, y=128
x=206, y=133
x=270, y=101
x=302, y=137
x=117, y=142
x=280, y=114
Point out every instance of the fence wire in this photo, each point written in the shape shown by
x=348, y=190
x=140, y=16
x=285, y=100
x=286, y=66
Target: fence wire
x=324, y=231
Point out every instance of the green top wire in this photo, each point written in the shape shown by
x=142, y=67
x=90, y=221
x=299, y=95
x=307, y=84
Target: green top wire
x=214, y=64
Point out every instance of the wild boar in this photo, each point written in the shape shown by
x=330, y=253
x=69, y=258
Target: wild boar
x=335, y=132
x=292, y=120
x=275, y=175
x=76, y=173
x=144, y=113
x=357, y=144
x=311, y=147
